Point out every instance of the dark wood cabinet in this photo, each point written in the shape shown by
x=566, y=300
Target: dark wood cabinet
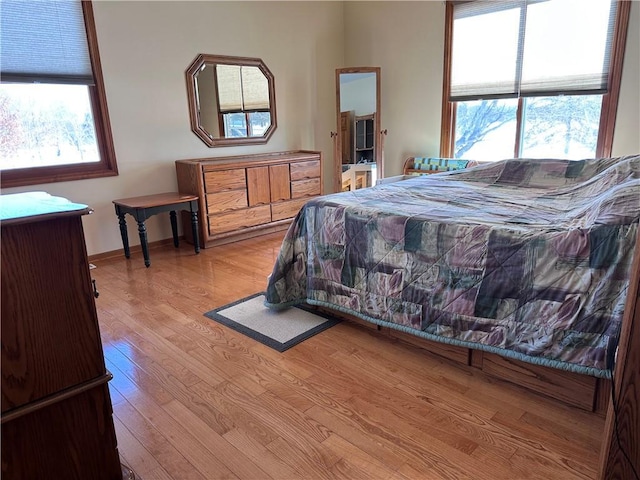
x=56, y=408
x=346, y=136
x=364, y=139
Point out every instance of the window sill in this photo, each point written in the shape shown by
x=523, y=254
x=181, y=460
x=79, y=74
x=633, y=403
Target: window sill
x=43, y=175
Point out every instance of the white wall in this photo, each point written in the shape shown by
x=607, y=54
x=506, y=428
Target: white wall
x=145, y=48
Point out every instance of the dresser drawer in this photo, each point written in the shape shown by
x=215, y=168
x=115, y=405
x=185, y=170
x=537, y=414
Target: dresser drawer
x=238, y=219
x=305, y=188
x=225, y=180
x=280, y=211
x=302, y=170
x=227, y=200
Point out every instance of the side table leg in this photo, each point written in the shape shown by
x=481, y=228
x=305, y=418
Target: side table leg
x=194, y=229
x=123, y=233
x=142, y=230
x=174, y=228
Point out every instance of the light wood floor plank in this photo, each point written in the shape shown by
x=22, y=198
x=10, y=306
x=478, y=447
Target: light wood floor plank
x=299, y=432
x=158, y=474
x=356, y=463
x=133, y=452
x=269, y=462
x=454, y=428
x=304, y=465
x=364, y=435
x=407, y=472
x=251, y=426
x=441, y=456
x=241, y=465
x=178, y=390
x=173, y=464
x=207, y=464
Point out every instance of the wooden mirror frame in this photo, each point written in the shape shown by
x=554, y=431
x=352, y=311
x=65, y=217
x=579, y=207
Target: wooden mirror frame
x=192, y=97
x=337, y=155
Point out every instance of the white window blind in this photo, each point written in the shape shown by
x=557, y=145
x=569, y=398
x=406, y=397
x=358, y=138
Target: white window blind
x=241, y=88
x=485, y=55
x=255, y=89
x=531, y=47
x=229, y=87
x=44, y=41
x=567, y=46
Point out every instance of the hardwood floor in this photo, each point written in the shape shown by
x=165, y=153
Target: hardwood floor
x=195, y=400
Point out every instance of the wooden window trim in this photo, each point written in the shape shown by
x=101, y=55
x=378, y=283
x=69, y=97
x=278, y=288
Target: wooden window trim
x=107, y=165
x=611, y=98
x=519, y=127
x=609, y=101
x=447, y=132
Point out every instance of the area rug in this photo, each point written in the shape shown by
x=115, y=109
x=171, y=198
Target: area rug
x=280, y=330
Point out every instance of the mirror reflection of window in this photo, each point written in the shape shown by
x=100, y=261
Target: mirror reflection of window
x=235, y=125
x=259, y=122
x=229, y=87
x=243, y=96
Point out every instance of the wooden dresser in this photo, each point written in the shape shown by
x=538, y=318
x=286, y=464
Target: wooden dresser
x=56, y=408
x=249, y=195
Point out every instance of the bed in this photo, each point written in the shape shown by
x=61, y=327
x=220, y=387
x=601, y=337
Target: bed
x=521, y=260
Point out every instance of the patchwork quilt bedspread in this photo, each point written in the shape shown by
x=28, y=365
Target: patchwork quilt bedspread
x=529, y=259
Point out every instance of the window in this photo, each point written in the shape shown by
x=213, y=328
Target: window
x=532, y=78
x=54, y=123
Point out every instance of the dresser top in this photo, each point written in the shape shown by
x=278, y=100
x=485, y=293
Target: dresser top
x=272, y=157
x=30, y=206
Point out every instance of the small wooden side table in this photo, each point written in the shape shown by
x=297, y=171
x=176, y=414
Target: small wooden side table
x=143, y=207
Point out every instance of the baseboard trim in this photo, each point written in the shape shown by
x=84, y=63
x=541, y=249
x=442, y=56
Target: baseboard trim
x=133, y=249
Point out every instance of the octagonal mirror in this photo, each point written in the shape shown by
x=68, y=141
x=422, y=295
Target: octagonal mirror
x=231, y=100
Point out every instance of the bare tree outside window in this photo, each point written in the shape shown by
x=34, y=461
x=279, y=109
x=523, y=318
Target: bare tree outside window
x=11, y=136
x=570, y=123
x=46, y=125
x=477, y=119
